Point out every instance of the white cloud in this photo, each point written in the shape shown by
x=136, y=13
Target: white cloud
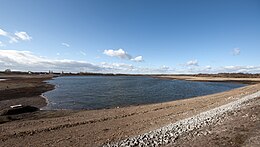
x=222, y=69
x=22, y=36
x=2, y=44
x=165, y=67
x=120, y=53
x=129, y=68
x=3, y=33
x=12, y=39
x=208, y=67
x=192, y=63
x=244, y=69
x=24, y=60
x=138, y=59
x=117, y=67
x=65, y=44
x=236, y=51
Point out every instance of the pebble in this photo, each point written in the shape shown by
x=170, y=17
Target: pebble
x=172, y=132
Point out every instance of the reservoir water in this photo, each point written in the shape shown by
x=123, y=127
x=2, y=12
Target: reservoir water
x=98, y=92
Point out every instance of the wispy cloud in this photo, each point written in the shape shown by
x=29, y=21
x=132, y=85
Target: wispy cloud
x=222, y=69
x=22, y=36
x=12, y=39
x=208, y=67
x=3, y=33
x=236, y=51
x=129, y=68
x=82, y=53
x=2, y=44
x=65, y=44
x=16, y=37
x=244, y=69
x=192, y=63
x=120, y=53
x=138, y=59
x=117, y=67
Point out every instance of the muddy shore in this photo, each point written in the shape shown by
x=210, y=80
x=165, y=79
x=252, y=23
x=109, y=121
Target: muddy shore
x=25, y=90
x=94, y=127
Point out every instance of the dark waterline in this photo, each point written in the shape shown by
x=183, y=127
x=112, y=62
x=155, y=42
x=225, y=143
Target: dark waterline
x=97, y=92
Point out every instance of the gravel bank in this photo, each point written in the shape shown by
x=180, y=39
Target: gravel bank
x=167, y=134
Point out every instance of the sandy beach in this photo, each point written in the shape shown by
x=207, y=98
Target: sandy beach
x=99, y=127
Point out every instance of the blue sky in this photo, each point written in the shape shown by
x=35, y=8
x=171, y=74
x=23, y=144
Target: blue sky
x=130, y=36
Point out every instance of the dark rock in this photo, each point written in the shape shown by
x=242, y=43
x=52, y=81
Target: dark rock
x=19, y=110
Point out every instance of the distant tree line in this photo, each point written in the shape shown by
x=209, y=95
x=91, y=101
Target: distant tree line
x=226, y=75
x=231, y=75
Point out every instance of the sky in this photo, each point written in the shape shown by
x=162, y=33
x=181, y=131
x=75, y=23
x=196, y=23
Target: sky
x=130, y=36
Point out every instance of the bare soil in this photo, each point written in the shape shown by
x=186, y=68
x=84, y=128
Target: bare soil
x=97, y=127
x=23, y=86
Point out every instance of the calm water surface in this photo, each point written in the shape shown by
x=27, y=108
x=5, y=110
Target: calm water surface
x=97, y=92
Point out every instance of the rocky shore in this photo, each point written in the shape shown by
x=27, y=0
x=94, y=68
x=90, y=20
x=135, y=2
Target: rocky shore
x=169, y=133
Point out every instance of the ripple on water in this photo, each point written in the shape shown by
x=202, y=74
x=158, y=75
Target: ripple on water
x=98, y=92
